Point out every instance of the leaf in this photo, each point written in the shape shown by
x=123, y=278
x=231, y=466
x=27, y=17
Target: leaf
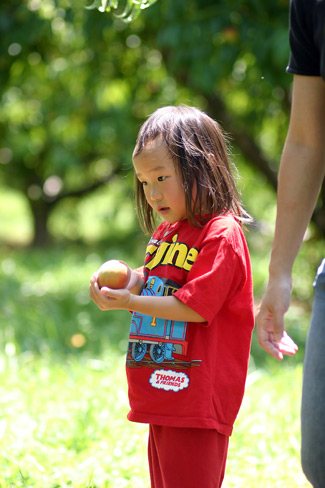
x=131, y=10
x=96, y=4
x=145, y=3
x=129, y=6
x=104, y=7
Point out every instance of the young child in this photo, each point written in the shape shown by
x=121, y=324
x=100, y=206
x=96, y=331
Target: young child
x=192, y=323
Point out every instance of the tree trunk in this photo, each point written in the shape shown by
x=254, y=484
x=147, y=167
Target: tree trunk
x=41, y=211
x=42, y=208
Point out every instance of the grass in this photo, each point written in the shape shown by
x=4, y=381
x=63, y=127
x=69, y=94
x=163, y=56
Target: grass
x=63, y=394
x=63, y=424
x=265, y=447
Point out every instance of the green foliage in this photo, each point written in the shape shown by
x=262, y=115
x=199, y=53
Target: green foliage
x=77, y=84
x=56, y=93
x=131, y=9
x=232, y=47
x=75, y=87
x=68, y=115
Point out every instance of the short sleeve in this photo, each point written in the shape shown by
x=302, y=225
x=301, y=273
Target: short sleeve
x=305, y=56
x=214, y=278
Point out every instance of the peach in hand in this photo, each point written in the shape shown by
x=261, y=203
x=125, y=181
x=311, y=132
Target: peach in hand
x=114, y=274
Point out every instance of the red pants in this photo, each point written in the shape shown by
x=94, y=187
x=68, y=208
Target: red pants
x=186, y=458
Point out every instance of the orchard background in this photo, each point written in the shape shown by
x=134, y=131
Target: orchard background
x=75, y=86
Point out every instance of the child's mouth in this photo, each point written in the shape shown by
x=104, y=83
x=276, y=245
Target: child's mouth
x=163, y=210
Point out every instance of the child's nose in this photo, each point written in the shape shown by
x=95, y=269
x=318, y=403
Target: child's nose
x=155, y=194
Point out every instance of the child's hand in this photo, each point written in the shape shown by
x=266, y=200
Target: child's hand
x=135, y=284
x=107, y=298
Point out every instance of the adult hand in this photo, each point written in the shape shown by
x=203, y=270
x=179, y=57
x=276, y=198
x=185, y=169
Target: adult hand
x=270, y=320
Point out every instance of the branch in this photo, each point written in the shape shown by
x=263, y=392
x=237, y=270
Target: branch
x=243, y=140
x=78, y=193
x=254, y=154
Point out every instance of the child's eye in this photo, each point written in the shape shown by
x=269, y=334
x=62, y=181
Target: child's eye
x=142, y=183
x=161, y=178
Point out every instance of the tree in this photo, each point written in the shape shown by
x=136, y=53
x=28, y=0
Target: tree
x=77, y=83
x=234, y=54
x=66, y=120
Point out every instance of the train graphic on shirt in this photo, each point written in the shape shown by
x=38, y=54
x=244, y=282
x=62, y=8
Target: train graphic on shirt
x=158, y=337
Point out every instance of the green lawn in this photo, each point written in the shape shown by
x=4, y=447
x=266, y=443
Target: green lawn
x=265, y=446
x=63, y=424
x=63, y=394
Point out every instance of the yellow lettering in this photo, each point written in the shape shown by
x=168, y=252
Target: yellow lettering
x=151, y=249
x=178, y=256
x=173, y=253
x=170, y=250
x=190, y=259
x=158, y=256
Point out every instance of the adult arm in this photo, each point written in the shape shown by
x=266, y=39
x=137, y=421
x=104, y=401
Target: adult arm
x=301, y=173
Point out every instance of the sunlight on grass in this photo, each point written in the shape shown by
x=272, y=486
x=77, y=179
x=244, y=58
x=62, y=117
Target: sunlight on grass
x=63, y=423
x=63, y=393
x=265, y=447
x=15, y=218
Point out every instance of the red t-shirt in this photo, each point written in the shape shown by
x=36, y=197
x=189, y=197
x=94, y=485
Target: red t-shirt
x=193, y=374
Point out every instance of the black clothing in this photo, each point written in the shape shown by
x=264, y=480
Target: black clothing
x=307, y=38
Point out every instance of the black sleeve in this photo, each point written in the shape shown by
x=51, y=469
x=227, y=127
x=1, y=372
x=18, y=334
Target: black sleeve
x=305, y=56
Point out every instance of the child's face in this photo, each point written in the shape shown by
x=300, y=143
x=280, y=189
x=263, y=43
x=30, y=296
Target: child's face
x=162, y=182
